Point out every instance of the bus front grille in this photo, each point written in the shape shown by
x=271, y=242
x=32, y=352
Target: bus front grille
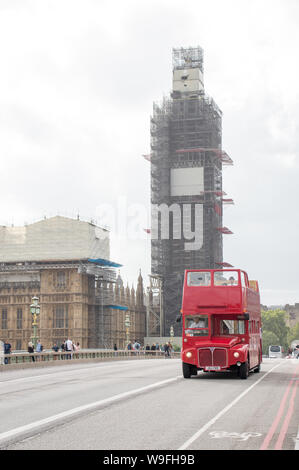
x=208, y=357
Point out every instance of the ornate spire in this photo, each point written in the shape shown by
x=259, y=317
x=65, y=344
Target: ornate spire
x=139, y=291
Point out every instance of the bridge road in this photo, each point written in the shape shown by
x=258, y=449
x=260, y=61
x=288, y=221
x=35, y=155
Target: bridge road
x=146, y=404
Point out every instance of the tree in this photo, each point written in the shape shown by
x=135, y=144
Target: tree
x=274, y=321
x=293, y=333
x=269, y=338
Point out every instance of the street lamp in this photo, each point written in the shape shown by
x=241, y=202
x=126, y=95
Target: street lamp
x=127, y=325
x=35, y=310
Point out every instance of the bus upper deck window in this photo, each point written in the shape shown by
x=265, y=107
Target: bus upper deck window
x=226, y=278
x=199, y=279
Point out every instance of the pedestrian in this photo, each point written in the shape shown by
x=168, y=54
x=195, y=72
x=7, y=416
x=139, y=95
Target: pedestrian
x=69, y=348
x=115, y=347
x=147, y=348
x=39, y=348
x=289, y=353
x=7, y=350
x=166, y=349
x=129, y=346
x=62, y=347
x=153, y=348
x=78, y=346
x=136, y=346
x=55, y=348
x=31, y=350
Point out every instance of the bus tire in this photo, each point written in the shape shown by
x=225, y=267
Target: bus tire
x=187, y=369
x=244, y=370
x=257, y=369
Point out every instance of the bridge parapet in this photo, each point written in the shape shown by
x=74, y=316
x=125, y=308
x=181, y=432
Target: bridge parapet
x=25, y=359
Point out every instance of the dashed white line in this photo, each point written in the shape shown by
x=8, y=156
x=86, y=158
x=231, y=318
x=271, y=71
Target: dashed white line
x=297, y=441
x=222, y=412
x=36, y=425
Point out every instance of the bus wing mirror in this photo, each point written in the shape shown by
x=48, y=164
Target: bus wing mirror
x=179, y=318
x=244, y=316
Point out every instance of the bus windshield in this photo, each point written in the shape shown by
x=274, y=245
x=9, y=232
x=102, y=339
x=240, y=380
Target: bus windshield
x=275, y=348
x=226, y=278
x=197, y=325
x=232, y=327
x=199, y=279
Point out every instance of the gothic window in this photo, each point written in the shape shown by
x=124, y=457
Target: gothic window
x=60, y=316
x=4, y=319
x=19, y=318
x=61, y=279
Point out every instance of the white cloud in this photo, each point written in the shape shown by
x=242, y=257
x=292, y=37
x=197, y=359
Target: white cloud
x=76, y=90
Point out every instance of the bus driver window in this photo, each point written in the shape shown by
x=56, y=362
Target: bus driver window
x=226, y=278
x=196, y=325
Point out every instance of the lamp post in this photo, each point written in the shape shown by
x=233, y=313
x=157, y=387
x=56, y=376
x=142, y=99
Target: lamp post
x=35, y=310
x=127, y=325
x=171, y=333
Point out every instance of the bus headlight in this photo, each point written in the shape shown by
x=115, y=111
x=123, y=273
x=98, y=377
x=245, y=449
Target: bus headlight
x=236, y=354
x=189, y=354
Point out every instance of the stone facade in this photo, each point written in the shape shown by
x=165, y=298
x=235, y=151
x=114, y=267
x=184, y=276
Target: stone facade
x=114, y=318
x=292, y=315
x=74, y=281
x=68, y=308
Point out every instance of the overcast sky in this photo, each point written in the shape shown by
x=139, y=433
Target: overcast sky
x=77, y=84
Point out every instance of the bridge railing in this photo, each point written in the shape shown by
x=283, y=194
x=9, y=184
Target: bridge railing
x=87, y=354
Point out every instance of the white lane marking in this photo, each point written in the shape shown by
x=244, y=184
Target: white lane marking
x=66, y=414
x=222, y=412
x=244, y=436
x=297, y=441
x=100, y=366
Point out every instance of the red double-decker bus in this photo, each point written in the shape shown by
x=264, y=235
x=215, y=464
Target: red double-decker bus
x=221, y=322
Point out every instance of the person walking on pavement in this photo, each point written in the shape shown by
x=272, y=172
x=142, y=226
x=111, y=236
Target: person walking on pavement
x=69, y=348
x=31, y=350
x=39, y=348
x=166, y=350
x=62, y=347
x=136, y=346
x=55, y=349
x=7, y=350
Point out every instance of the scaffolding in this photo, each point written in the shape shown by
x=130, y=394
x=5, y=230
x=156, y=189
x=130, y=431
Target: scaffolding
x=186, y=132
x=154, y=307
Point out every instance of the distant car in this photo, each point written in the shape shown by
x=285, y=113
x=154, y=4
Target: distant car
x=275, y=351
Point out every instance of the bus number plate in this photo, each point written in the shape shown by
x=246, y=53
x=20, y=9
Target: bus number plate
x=212, y=368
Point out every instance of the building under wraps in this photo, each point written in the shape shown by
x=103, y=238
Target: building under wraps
x=66, y=264
x=187, y=197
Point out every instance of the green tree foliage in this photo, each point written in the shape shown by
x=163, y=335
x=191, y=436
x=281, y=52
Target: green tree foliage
x=293, y=333
x=273, y=321
x=269, y=338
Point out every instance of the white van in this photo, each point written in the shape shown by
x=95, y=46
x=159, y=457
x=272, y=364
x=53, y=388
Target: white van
x=275, y=351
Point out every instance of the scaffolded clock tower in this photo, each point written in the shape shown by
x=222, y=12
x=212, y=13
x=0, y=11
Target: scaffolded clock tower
x=186, y=183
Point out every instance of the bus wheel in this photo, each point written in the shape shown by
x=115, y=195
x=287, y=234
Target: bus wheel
x=258, y=368
x=187, y=370
x=244, y=370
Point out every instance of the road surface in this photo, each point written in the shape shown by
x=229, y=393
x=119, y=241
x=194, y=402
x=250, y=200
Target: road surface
x=147, y=404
